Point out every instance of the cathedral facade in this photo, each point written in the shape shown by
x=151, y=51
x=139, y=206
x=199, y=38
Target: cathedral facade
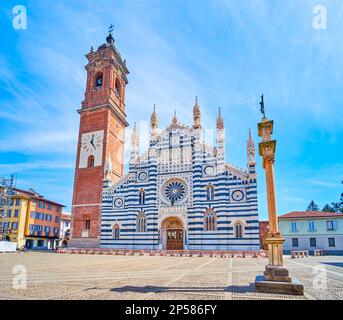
x=180, y=194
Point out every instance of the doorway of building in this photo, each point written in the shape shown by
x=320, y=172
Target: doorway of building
x=172, y=234
x=29, y=244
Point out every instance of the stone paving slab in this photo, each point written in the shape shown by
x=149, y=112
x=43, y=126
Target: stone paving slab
x=82, y=277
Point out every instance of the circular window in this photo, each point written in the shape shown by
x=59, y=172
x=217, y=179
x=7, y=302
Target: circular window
x=209, y=170
x=174, y=191
x=143, y=176
x=238, y=195
x=118, y=203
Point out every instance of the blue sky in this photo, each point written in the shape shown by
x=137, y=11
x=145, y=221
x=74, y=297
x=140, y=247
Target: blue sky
x=227, y=52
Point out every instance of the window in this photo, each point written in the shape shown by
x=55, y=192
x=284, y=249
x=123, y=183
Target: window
x=295, y=242
x=17, y=202
x=40, y=243
x=313, y=242
x=16, y=213
x=9, y=213
x=210, y=192
x=141, y=222
x=57, y=219
x=332, y=242
x=87, y=224
x=239, y=230
x=294, y=227
x=330, y=225
x=49, y=206
x=41, y=204
x=141, y=196
x=47, y=230
x=312, y=226
x=99, y=81
x=116, y=232
x=14, y=226
x=55, y=231
x=210, y=221
x=90, y=162
x=117, y=88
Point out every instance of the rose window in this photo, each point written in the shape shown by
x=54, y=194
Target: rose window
x=175, y=191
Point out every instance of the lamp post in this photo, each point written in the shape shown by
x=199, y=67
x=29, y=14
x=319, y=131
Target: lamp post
x=276, y=277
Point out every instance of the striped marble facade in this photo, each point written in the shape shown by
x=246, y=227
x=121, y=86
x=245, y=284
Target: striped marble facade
x=181, y=194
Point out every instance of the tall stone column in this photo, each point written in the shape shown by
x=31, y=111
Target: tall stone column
x=276, y=277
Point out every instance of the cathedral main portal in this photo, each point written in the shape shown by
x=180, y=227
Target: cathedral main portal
x=172, y=234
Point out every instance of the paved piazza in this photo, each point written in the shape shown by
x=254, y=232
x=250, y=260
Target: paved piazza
x=64, y=276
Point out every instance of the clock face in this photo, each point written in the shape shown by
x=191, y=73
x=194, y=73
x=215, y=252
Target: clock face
x=237, y=195
x=91, y=145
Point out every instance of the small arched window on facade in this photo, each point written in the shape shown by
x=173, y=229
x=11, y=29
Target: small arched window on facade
x=210, y=192
x=90, y=162
x=116, y=231
x=141, y=222
x=210, y=221
x=117, y=88
x=239, y=230
x=99, y=80
x=141, y=196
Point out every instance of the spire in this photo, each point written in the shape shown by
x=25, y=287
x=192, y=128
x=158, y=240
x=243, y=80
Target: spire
x=134, y=144
x=196, y=115
x=174, y=121
x=220, y=121
x=154, y=120
x=251, y=148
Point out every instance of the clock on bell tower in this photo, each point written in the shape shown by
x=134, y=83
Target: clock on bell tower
x=102, y=126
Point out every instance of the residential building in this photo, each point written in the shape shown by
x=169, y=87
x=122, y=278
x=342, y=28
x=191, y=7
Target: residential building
x=65, y=229
x=312, y=230
x=32, y=221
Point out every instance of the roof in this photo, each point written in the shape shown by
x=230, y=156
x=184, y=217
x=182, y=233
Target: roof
x=37, y=196
x=66, y=216
x=310, y=214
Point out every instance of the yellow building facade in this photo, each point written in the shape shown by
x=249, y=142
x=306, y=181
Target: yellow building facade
x=31, y=221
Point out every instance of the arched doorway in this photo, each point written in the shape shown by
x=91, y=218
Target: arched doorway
x=172, y=234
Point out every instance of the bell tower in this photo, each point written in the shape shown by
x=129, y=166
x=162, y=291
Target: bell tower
x=101, y=139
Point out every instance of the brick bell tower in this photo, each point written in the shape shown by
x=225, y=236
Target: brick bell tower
x=101, y=139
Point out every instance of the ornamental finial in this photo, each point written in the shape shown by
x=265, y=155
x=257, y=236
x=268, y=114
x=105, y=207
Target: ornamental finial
x=110, y=39
x=220, y=121
x=262, y=107
x=154, y=120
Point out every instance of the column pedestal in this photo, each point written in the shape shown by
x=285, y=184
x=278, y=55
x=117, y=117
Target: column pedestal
x=276, y=277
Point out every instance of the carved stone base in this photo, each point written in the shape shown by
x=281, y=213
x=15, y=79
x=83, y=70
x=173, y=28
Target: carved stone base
x=277, y=274
x=295, y=287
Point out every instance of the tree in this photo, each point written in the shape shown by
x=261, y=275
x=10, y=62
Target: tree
x=312, y=206
x=328, y=208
